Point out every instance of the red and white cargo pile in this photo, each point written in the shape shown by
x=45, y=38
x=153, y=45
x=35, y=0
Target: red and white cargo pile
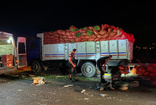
x=91, y=33
x=145, y=70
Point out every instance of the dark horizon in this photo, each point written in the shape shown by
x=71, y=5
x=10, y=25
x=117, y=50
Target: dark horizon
x=29, y=18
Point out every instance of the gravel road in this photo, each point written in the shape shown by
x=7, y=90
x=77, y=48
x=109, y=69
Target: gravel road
x=22, y=92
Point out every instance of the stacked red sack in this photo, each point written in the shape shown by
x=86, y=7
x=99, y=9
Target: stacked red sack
x=91, y=33
x=146, y=70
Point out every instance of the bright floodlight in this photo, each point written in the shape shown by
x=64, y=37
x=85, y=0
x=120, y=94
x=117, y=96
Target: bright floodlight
x=9, y=41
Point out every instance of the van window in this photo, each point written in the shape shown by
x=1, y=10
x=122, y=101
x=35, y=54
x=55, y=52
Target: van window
x=21, y=48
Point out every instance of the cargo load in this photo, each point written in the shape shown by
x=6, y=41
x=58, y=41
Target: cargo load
x=92, y=33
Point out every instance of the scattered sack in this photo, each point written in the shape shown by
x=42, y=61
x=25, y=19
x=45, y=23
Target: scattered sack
x=124, y=87
x=38, y=80
x=103, y=95
x=68, y=85
x=83, y=91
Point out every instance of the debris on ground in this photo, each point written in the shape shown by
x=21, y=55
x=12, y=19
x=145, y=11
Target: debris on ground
x=68, y=85
x=103, y=95
x=86, y=99
x=19, y=90
x=38, y=81
x=31, y=75
x=83, y=91
x=123, y=88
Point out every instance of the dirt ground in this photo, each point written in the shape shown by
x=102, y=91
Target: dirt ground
x=16, y=91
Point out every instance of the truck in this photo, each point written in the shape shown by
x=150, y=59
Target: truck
x=12, y=55
x=42, y=56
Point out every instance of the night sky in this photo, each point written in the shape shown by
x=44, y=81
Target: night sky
x=26, y=18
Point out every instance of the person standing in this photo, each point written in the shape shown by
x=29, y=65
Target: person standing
x=100, y=62
x=72, y=68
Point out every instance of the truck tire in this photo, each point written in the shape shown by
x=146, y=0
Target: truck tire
x=88, y=69
x=36, y=67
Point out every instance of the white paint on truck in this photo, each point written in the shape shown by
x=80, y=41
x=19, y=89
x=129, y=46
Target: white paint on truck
x=120, y=49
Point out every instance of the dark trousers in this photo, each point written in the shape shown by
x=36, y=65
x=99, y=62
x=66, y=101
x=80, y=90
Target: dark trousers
x=116, y=75
x=101, y=73
x=72, y=71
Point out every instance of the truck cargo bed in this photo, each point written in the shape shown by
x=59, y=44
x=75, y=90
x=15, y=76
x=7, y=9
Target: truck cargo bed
x=90, y=50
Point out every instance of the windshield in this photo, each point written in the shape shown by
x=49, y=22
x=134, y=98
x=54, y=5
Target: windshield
x=6, y=45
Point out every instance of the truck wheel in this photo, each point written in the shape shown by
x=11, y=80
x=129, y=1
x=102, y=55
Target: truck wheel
x=36, y=67
x=88, y=69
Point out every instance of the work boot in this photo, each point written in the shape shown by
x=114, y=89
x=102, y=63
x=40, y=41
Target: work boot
x=102, y=86
x=111, y=87
x=70, y=80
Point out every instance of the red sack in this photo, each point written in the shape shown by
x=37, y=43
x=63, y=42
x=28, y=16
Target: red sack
x=61, y=39
x=91, y=27
x=105, y=26
x=151, y=69
x=93, y=36
x=63, y=32
x=73, y=33
x=95, y=32
x=83, y=40
x=133, y=39
x=109, y=30
x=115, y=36
x=106, y=35
x=70, y=37
x=82, y=31
x=68, y=33
x=123, y=37
x=102, y=32
x=64, y=36
x=141, y=70
x=78, y=39
x=59, y=31
x=152, y=75
x=115, y=30
x=61, y=36
x=112, y=34
x=110, y=38
x=103, y=39
x=113, y=27
x=153, y=65
x=146, y=74
x=99, y=36
x=97, y=39
x=119, y=32
x=74, y=37
x=91, y=39
x=86, y=36
x=72, y=28
x=56, y=35
x=66, y=39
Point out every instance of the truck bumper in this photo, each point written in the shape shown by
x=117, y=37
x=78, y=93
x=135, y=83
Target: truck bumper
x=7, y=71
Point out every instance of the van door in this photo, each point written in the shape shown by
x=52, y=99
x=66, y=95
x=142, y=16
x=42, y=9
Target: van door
x=21, y=51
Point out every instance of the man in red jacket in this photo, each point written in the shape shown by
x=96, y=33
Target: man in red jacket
x=72, y=61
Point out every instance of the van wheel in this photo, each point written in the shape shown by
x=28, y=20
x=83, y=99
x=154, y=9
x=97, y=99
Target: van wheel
x=88, y=69
x=36, y=67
